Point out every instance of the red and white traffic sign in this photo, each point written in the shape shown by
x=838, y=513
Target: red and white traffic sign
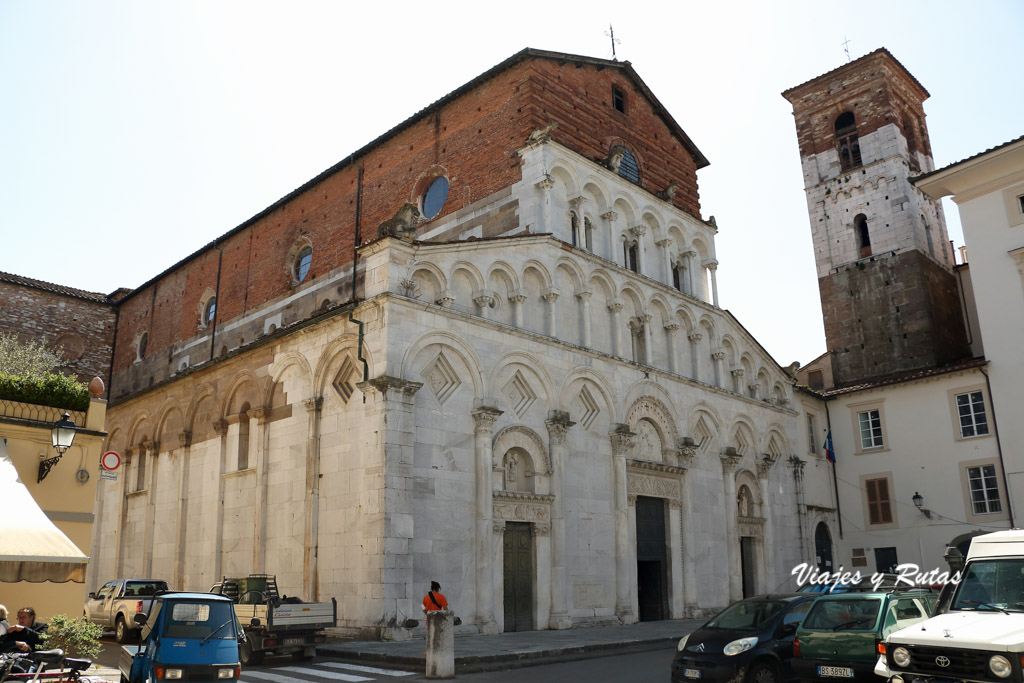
x=110, y=460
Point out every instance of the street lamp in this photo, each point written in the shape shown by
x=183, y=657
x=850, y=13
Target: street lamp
x=63, y=435
x=918, y=502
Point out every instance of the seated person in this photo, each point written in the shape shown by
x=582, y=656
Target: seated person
x=26, y=635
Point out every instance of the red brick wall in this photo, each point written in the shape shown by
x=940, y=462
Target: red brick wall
x=85, y=329
x=875, y=88
x=473, y=138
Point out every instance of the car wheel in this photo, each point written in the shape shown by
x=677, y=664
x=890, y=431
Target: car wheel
x=121, y=633
x=247, y=656
x=763, y=673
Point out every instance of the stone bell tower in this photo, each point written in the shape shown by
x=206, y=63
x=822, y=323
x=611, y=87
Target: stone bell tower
x=885, y=266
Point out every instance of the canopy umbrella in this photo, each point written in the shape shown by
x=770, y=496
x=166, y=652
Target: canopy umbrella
x=32, y=548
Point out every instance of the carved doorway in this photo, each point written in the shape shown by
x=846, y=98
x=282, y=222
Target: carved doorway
x=518, y=575
x=651, y=559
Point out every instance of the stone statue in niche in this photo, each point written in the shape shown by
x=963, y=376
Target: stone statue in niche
x=511, y=467
x=745, y=502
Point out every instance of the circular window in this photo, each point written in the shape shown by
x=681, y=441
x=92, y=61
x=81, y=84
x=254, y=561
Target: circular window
x=302, y=263
x=435, y=197
x=210, y=312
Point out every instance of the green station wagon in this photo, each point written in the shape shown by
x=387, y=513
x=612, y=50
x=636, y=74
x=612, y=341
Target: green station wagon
x=838, y=640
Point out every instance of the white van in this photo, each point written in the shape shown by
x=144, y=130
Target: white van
x=980, y=637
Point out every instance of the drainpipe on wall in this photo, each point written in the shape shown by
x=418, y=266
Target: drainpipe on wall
x=216, y=299
x=999, y=447
x=355, y=263
x=835, y=482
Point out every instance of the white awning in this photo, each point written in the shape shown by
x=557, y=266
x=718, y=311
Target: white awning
x=32, y=548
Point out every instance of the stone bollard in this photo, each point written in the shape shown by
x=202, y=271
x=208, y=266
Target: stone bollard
x=440, y=644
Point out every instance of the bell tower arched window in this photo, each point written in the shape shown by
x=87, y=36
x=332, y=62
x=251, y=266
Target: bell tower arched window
x=861, y=234
x=846, y=140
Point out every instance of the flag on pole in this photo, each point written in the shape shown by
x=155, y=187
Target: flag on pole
x=830, y=453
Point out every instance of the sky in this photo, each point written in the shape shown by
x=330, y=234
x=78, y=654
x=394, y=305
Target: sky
x=133, y=133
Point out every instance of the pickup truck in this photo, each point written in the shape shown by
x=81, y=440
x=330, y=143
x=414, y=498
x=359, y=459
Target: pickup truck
x=275, y=625
x=980, y=636
x=115, y=605
x=185, y=636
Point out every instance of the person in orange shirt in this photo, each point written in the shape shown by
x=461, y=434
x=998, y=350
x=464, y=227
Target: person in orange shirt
x=434, y=600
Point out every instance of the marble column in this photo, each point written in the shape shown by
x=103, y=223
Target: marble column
x=544, y=219
x=801, y=503
x=390, y=426
x=712, y=265
x=516, y=299
x=584, y=297
x=673, y=356
x=645, y=319
x=550, y=296
x=259, y=541
x=220, y=427
x=690, y=275
x=484, y=418
x=737, y=380
x=687, y=454
x=576, y=205
x=666, y=260
x=764, y=468
x=484, y=300
x=623, y=441
x=151, y=449
x=729, y=462
x=719, y=362
x=695, y=338
x=122, y=521
x=675, y=531
x=615, y=306
x=181, y=528
x=558, y=424
x=609, y=218
x=311, y=516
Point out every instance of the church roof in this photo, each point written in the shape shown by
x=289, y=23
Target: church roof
x=924, y=176
x=23, y=281
x=880, y=52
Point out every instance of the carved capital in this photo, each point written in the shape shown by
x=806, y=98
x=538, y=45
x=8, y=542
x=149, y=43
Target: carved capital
x=385, y=383
x=622, y=438
x=517, y=297
x=313, y=403
x=185, y=439
x=797, y=464
x=663, y=243
x=754, y=388
x=558, y=424
x=610, y=216
x=764, y=465
x=631, y=500
x=546, y=183
x=499, y=528
x=730, y=460
x=550, y=295
x=718, y=355
x=711, y=264
x=672, y=327
x=446, y=299
x=542, y=529
x=695, y=337
x=584, y=294
x=638, y=230
x=220, y=427
x=576, y=203
x=690, y=254
x=645, y=317
x=484, y=418
x=615, y=305
x=738, y=372
x=484, y=300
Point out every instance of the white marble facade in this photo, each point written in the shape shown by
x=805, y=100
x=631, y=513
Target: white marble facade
x=514, y=379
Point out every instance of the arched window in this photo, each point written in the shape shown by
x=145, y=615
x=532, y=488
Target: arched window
x=303, y=262
x=862, y=236
x=210, y=312
x=677, y=276
x=636, y=333
x=846, y=140
x=823, y=547
x=243, y=437
x=631, y=256
x=628, y=168
x=588, y=235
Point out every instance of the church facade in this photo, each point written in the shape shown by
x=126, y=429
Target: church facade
x=487, y=350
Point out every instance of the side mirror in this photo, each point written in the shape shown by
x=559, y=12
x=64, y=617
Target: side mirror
x=92, y=596
x=789, y=629
x=254, y=622
x=141, y=618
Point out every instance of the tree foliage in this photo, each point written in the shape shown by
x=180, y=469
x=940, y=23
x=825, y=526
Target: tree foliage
x=30, y=359
x=77, y=637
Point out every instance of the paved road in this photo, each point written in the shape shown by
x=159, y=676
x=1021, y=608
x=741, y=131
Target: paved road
x=283, y=670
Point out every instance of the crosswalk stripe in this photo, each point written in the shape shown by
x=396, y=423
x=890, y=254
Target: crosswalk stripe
x=324, y=674
x=278, y=678
x=367, y=669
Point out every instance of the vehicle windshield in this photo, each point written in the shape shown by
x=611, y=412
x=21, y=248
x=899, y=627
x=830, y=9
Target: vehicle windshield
x=843, y=615
x=991, y=585
x=749, y=615
x=139, y=588
x=200, y=620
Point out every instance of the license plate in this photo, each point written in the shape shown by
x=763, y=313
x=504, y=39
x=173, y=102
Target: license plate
x=294, y=641
x=691, y=673
x=835, y=671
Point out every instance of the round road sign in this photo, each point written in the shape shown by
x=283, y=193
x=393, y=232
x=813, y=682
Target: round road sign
x=110, y=460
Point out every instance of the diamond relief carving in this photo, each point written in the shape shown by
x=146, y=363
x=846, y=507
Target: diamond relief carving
x=441, y=378
x=519, y=394
x=344, y=381
x=585, y=408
